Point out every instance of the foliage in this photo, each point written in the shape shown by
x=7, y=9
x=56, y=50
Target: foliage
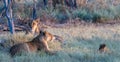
x=97, y=12
x=62, y=14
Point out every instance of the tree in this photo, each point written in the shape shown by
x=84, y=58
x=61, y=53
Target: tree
x=45, y=2
x=71, y=3
x=8, y=14
x=34, y=15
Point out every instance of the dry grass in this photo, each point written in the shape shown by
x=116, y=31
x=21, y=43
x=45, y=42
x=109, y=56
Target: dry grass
x=82, y=43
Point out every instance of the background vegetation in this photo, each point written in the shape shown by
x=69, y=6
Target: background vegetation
x=90, y=11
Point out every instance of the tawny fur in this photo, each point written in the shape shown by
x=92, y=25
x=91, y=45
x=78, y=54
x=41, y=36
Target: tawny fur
x=38, y=43
x=35, y=26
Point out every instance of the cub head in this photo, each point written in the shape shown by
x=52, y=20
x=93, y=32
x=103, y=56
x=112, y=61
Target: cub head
x=103, y=48
x=34, y=25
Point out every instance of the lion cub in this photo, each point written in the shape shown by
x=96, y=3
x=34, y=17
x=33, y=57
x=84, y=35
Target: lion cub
x=103, y=48
x=38, y=43
x=35, y=26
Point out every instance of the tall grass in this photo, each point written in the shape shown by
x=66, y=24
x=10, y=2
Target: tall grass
x=82, y=45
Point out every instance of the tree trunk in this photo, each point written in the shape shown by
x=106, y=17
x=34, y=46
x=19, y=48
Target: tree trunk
x=45, y=2
x=34, y=15
x=8, y=10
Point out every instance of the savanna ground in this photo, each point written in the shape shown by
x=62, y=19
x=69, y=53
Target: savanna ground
x=81, y=44
x=81, y=41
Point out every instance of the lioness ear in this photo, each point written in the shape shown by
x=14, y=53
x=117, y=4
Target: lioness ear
x=43, y=33
x=40, y=32
x=38, y=20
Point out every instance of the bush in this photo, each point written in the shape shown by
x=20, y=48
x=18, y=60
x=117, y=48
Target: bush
x=61, y=14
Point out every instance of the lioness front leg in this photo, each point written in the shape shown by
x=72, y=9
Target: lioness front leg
x=46, y=48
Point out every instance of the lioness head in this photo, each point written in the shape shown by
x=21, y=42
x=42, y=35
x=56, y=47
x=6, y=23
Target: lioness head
x=47, y=36
x=43, y=38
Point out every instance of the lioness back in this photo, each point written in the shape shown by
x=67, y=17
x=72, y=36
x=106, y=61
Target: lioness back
x=18, y=48
x=38, y=43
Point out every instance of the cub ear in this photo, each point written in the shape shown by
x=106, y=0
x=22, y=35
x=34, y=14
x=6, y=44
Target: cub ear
x=33, y=23
x=38, y=20
x=102, y=46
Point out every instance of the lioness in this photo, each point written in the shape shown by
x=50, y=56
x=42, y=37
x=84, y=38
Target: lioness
x=38, y=43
